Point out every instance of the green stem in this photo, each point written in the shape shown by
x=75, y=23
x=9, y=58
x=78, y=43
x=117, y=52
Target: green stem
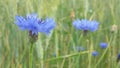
x=66, y=56
x=30, y=55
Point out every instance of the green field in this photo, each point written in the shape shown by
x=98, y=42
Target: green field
x=58, y=50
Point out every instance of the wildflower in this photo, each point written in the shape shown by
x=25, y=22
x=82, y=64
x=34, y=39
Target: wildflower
x=114, y=28
x=34, y=24
x=79, y=48
x=94, y=53
x=86, y=25
x=103, y=45
x=118, y=57
x=72, y=14
x=54, y=54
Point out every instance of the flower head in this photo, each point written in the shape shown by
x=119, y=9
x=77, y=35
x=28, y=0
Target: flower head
x=72, y=14
x=79, y=48
x=118, y=57
x=34, y=24
x=103, y=45
x=54, y=54
x=114, y=28
x=94, y=53
x=86, y=25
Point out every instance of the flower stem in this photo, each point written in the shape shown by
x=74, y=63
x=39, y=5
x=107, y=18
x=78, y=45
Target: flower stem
x=30, y=55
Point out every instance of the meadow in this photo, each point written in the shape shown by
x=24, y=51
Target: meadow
x=61, y=49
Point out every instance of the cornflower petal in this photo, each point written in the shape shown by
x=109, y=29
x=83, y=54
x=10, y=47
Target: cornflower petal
x=47, y=25
x=94, y=26
x=21, y=22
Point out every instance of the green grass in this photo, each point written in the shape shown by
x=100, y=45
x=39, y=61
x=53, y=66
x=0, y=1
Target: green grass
x=14, y=45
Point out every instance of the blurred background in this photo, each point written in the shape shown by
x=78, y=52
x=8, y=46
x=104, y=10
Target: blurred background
x=59, y=50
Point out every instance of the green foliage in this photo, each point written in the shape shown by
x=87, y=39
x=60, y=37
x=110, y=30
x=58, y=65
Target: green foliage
x=14, y=45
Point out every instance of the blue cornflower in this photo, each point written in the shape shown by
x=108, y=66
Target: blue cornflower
x=118, y=57
x=103, y=45
x=34, y=24
x=86, y=25
x=54, y=54
x=79, y=48
x=94, y=53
